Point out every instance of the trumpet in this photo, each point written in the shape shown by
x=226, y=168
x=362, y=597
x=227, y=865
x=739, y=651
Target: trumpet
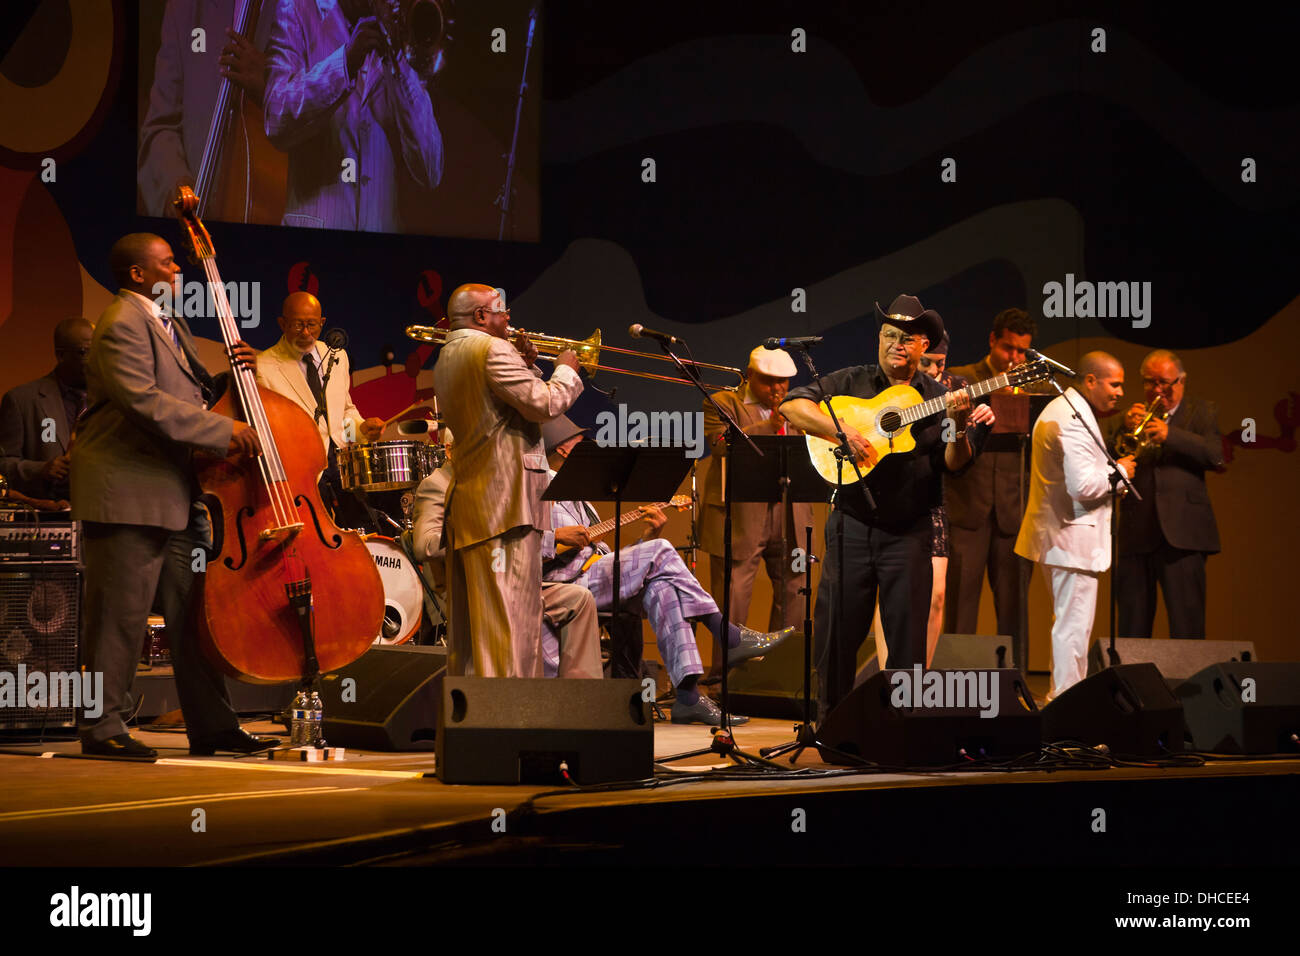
x=417, y=31
x=588, y=351
x=1132, y=442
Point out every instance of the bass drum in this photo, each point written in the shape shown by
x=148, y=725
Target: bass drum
x=403, y=596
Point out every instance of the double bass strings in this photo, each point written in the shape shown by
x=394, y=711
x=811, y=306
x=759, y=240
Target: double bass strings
x=269, y=463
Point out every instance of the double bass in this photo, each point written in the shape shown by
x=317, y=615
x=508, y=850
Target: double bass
x=287, y=595
x=241, y=176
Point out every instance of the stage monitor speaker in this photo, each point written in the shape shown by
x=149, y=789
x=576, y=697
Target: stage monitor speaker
x=772, y=687
x=868, y=724
x=40, y=615
x=1128, y=708
x=492, y=730
x=387, y=699
x=1177, y=660
x=1243, y=708
x=968, y=651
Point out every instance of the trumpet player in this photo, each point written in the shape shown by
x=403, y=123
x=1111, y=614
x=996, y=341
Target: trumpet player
x=1165, y=537
x=336, y=92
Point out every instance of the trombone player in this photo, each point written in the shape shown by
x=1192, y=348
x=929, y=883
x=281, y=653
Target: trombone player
x=1165, y=537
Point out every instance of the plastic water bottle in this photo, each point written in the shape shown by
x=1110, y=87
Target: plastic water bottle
x=298, y=727
x=316, y=709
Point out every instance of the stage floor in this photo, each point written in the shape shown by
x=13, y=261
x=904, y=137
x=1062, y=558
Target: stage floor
x=59, y=809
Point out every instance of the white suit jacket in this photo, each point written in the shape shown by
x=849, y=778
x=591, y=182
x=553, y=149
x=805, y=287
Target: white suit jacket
x=1067, y=521
x=281, y=370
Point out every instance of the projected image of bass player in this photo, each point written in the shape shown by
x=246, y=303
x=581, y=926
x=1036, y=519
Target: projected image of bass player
x=355, y=119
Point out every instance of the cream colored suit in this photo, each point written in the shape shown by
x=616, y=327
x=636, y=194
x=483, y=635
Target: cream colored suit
x=495, y=405
x=1066, y=528
x=280, y=368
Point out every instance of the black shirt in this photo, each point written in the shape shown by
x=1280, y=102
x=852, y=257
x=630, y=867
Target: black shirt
x=906, y=486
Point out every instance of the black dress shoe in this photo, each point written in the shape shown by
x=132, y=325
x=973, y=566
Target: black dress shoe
x=123, y=745
x=703, y=711
x=234, y=740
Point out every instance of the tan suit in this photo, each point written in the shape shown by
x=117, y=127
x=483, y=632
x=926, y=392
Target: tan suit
x=569, y=610
x=280, y=368
x=495, y=404
x=755, y=527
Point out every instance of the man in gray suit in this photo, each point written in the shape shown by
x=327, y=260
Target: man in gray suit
x=133, y=487
x=37, y=418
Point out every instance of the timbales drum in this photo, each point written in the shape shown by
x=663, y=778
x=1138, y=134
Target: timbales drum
x=387, y=465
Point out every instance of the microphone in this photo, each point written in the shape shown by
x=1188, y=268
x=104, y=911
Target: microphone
x=336, y=339
x=800, y=342
x=639, y=331
x=1035, y=355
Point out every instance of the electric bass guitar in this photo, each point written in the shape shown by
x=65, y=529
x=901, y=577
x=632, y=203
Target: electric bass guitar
x=886, y=420
x=599, y=530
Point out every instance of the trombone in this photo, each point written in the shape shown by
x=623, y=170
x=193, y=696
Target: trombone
x=588, y=351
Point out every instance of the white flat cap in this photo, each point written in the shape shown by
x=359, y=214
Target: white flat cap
x=775, y=362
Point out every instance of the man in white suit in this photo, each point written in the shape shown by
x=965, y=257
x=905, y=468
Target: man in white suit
x=1066, y=527
x=300, y=368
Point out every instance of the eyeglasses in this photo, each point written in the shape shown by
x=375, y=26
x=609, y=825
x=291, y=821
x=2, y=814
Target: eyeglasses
x=1162, y=382
x=306, y=326
x=899, y=337
x=505, y=312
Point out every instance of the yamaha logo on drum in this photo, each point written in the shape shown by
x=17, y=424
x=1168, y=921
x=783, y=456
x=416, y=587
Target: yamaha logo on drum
x=386, y=561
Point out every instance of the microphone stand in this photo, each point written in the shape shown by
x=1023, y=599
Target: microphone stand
x=806, y=732
x=723, y=739
x=1117, y=477
x=503, y=199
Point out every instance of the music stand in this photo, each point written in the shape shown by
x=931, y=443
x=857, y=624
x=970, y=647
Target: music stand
x=785, y=473
x=641, y=473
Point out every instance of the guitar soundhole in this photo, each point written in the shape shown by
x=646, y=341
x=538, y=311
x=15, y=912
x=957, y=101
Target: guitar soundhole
x=889, y=422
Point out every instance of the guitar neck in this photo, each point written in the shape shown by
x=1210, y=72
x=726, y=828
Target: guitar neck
x=935, y=405
x=606, y=526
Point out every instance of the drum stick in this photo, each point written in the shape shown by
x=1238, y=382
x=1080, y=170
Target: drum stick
x=410, y=408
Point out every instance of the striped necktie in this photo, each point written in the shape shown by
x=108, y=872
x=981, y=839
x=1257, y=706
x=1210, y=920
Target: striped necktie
x=171, y=330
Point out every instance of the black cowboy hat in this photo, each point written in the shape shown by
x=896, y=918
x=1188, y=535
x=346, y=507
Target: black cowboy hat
x=907, y=313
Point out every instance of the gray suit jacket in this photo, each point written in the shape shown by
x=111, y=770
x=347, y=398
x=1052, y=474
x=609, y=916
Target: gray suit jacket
x=23, y=413
x=1175, y=505
x=131, y=463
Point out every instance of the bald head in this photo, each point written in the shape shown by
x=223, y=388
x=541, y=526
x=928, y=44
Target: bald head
x=1101, y=381
x=1098, y=364
x=477, y=306
x=300, y=320
x=72, y=333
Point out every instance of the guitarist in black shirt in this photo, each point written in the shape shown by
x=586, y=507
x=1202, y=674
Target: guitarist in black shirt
x=888, y=547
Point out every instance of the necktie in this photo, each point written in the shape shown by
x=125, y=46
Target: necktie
x=313, y=382
x=170, y=329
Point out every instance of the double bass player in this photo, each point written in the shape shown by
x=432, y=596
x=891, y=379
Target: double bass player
x=133, y=487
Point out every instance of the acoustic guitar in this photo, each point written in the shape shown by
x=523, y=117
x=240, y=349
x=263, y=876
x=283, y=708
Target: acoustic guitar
x=597, y=531
x=886, y=420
